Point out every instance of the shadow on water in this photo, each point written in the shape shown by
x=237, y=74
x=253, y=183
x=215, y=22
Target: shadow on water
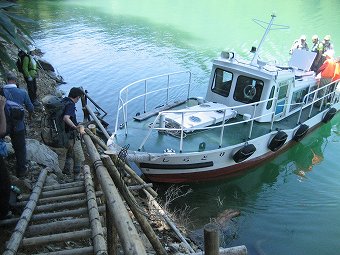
x=214, y=201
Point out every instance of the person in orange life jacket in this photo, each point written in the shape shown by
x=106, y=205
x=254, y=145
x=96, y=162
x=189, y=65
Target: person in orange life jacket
x=5, y=186
x=29, y=67
x=72, y=127
x=18, y=132
x=336, y=75
x=326, y=71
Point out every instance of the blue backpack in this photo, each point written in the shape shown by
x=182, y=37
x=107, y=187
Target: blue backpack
x=14, y=112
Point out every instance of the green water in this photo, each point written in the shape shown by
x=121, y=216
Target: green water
x=289, y=205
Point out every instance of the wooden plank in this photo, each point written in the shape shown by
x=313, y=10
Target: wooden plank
x=16, y=238
x=55, y=215
x=40, y=240
x=155, y=111
x=77, y=251
x=99, y=243
x=57, y=227
x=131, y=201
x=128, y=235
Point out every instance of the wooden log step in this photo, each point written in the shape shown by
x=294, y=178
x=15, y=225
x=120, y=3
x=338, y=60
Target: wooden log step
x=60, y=198
x=60, y=206
x=54, y=193
x=55, y=215
x=82, y=251
x=61, y=237
x=58, y=226
x=63, y=186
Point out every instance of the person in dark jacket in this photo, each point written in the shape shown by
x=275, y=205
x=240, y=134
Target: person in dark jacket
x=74, y=131
x=5, y=186
x=18, y=132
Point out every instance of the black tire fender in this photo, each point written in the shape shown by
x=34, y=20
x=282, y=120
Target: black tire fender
x=277, y=141
x=245, y=152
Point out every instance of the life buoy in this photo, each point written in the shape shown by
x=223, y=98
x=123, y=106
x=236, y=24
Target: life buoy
x=244, y=153
x=300, y=132
x=277, y=141
x=329, y=115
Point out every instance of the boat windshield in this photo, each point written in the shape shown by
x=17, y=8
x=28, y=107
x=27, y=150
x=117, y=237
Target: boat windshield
x=248, y=90
x=222, y=82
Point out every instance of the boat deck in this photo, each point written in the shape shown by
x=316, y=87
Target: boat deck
x=203, y=139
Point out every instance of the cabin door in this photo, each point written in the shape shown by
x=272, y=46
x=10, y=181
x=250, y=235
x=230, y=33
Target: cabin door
x=282, y=100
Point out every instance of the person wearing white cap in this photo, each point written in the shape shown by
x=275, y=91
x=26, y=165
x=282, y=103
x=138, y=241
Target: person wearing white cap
x=328, y=46
x=29, y=67
x=318, y=49
x=299, y=44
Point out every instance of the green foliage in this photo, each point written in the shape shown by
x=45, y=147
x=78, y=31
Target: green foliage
x=12, y=32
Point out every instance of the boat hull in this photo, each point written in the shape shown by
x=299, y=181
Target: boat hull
x=219, y=163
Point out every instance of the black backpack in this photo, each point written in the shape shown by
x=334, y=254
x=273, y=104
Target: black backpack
x=53, y=131
x=14, y=112
x=21, y=55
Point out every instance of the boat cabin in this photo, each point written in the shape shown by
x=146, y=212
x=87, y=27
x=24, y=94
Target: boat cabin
x=278, y=90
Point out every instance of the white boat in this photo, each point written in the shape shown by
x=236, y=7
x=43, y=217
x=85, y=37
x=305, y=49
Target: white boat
x=251, y=112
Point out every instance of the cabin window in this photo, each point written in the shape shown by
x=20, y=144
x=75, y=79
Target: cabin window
x=297, y=98
x=222, y=82
x=248, y=90
x=270, y=103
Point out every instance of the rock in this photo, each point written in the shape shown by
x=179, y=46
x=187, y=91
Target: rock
x=42, y=154
x=51, y=180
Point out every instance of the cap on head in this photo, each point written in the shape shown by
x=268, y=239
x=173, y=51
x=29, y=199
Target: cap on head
x=11, y=76
x=327, y=38
x=303, y=37
x=315, y=37
x=75, y=92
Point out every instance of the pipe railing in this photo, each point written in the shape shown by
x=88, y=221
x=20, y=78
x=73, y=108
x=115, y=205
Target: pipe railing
x=124, y=100
x=223, y=124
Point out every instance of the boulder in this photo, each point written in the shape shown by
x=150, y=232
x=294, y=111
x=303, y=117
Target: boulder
x=43, y=155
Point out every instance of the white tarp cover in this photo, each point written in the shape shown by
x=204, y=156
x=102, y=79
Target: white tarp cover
x=302, y=59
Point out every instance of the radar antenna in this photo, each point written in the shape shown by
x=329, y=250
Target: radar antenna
x=270, y=26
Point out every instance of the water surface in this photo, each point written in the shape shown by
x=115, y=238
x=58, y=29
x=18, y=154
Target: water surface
x=289, y=205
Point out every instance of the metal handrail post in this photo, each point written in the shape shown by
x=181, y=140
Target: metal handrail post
x=222, y=129
x=182, y=131
x=149, y=133
x=145, y=95
x=167, y=90
x=189, y=86
x=252, y=122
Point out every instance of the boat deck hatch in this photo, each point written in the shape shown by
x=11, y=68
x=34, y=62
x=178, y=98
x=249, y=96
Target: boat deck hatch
x=199, y=116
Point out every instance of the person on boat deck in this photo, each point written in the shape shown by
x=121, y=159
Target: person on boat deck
x=328, y=48
x=318, y=49
x=299, y=44
x=326, y=72
x=337, y=69
x=74, y=130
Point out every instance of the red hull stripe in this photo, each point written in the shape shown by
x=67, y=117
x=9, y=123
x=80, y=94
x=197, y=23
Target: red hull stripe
x=176, y=166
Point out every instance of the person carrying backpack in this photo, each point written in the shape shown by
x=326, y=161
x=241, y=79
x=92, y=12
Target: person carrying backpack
x=74, y=131
x=16, y=128
x=29, y=70
x=5, y=185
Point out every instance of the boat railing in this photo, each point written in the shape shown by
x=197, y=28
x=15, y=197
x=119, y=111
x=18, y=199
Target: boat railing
x=321, y=94
x=156, y=126
x=127, y=96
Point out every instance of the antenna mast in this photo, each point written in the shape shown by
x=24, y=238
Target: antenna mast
x=270, y=24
